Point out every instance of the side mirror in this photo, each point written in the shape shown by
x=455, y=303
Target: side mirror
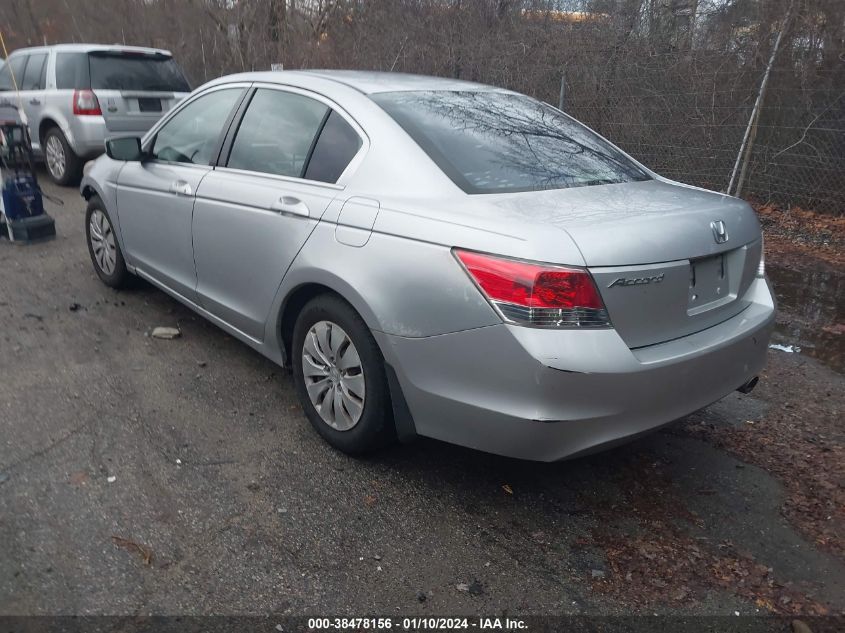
x=125, y=148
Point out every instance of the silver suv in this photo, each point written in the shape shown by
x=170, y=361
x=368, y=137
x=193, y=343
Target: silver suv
x=77, y=95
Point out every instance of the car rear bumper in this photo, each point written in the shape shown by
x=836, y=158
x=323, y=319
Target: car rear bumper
x=546, y=395
x=87, y=134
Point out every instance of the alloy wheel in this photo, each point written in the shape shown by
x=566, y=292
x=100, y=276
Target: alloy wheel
x=102, y=241
x=55, y=154
x=334, y=376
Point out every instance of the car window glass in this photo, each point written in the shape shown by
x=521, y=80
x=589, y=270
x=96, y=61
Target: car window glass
x=72, y=71
x=129, y=71
x=493, y=142
x=276, y=133
x=5, y=77
x=337, y=145
x=191, y=135
x=34, y=72
x=14, y=65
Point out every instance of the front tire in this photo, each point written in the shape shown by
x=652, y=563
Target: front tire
x=103, y=246
x=339, y=375
x=63, y=165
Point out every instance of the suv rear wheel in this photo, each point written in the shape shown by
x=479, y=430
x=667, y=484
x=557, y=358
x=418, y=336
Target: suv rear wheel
x=63, y=165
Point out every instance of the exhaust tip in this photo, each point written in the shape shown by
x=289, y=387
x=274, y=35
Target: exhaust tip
x=749, y=386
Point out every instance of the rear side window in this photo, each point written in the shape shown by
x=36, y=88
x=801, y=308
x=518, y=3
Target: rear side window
x=191, y=136
x=131, y=71
x=33, y=77
x=337, y=145
x=277, y=133
x=72, y=71
x=495, y=142
x=14, y=65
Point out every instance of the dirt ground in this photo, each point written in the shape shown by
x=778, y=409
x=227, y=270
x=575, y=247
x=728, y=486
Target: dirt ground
x=143, y=476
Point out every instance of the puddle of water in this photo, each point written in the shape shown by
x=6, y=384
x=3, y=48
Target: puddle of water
x=811, y=313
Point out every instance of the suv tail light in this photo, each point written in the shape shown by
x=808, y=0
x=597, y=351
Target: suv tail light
x=539, y=295
x=85, y=102
x=761, y=266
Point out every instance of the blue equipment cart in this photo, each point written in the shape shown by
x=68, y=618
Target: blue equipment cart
x=22, y=216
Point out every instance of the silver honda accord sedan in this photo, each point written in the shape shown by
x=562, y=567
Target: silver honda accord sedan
x=438, y=258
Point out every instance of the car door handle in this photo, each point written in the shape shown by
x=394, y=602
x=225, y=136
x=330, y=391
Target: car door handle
x=34, y=101
x=291, y=206
x=180, y=188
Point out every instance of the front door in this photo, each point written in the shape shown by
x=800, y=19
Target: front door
x=155, y=197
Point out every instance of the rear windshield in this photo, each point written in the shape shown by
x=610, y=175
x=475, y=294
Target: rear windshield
x=495, y=142
x=135, y=72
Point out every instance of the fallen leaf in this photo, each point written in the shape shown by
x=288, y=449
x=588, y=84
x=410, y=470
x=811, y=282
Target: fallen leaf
x=145, y=552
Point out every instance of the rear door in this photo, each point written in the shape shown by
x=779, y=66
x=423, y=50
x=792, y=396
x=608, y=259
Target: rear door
x=155, y=197
x=135, y=88
x=255, y=212
x=32, y=86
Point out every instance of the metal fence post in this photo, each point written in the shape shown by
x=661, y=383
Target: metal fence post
x=751, y=129
x=560, y=100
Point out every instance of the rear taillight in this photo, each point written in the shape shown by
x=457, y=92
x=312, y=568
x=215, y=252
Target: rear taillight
x=85, y=102
x=761, y=266
x=539, y=295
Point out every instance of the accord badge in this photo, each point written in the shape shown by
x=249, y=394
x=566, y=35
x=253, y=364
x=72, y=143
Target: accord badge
x=637, y=281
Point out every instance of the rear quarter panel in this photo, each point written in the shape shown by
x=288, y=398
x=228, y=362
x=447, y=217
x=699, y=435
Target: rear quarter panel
x=399, y=286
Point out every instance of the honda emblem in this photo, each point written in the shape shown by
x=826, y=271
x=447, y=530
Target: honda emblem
x=720, y=231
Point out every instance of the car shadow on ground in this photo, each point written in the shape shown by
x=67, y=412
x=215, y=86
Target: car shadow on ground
x=655, y=521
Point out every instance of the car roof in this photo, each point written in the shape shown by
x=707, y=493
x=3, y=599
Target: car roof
x=365, y=81
x=370, y=81
x=87, y=48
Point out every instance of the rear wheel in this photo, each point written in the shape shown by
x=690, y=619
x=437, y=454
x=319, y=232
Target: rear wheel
x=103, y=245
x=339, y=375
x=63, y=165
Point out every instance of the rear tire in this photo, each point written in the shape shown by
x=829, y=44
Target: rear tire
x=63, y=165
x=343, y=387
x=103, y=246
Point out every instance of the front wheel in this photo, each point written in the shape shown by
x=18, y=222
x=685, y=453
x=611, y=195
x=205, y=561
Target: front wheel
x=103, y=245
x=339, y=375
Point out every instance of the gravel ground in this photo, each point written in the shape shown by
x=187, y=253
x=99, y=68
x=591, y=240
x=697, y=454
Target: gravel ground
x=143, y=476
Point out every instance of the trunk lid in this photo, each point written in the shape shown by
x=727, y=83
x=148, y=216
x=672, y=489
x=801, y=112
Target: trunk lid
x=669, y=260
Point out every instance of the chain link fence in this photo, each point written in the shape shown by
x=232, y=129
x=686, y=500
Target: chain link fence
x=685, y=118
x=673, y=82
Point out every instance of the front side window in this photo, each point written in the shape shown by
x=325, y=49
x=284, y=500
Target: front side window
x=495, y=142
x=14, y=66
x=33, y=77
x=191, y=136
x=277, y=133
